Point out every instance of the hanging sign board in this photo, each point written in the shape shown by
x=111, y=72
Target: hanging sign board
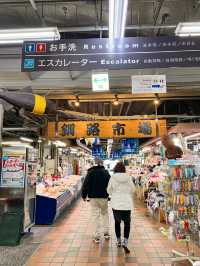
x=100, y=82
x=107, y=129
x=126, y=53
x=149, y=84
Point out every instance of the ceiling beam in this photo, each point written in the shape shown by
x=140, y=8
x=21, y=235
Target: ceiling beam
x=121, y=108
x=105, y=28
x=126, y=97
x=79, y=115
x=128, y=108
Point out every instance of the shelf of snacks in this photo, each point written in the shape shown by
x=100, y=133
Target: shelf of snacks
x=54, y=194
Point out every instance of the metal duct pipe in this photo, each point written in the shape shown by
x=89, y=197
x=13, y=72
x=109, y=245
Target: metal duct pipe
x=23, y=115
x=5, y=129
x=105, y=28
x=33, y=103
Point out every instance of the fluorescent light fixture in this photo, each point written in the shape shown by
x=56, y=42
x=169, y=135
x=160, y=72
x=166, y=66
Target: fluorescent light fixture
x=185, y=29
x=16, y=144
x=59, y=143
x=11, y=142
x=26, y=139
x=117, y=18
x=14, y=36
x=192, y=136
x=73, y=150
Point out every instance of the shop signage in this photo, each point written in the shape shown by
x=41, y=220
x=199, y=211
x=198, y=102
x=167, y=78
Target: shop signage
x=13, y=167
x=149, y=84
x=89, y=54
x=106, y=129
x=100, y=82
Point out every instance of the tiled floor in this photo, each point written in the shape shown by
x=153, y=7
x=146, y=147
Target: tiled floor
x=18, y=255
x=69, y=243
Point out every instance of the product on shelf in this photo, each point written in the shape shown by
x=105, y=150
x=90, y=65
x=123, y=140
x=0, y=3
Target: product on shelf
x=184, y=199
x=52, y=187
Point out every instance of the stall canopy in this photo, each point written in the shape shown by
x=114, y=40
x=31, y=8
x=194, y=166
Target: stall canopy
x=185, y=129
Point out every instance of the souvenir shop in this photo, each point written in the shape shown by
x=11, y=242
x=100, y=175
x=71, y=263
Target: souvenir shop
x=166, y=175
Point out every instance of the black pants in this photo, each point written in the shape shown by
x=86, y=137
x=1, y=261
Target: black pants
x=124, y=216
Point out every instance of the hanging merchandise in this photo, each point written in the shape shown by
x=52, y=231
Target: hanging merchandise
x=185, y=199
x=130, y=146
x=116, y=150
x=98, y=151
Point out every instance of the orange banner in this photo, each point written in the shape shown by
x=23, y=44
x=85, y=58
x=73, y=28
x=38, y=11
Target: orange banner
x=107, y=129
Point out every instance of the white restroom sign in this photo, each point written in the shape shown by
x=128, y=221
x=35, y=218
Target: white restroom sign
x=100, y=82
x=149, y=84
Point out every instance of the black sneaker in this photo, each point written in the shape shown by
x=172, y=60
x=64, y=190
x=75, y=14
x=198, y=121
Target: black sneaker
x=119, y=244
x=96, y=240
x=106, y=236
x=127, y=251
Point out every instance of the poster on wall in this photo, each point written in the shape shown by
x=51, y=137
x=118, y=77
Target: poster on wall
x=13, y=167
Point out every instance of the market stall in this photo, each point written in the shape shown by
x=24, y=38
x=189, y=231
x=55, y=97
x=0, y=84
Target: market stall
x=54, y=195
x=171, y=184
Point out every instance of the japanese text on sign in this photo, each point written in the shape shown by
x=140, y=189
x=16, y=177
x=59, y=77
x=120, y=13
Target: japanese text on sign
x=87, y=54
x=107, y=129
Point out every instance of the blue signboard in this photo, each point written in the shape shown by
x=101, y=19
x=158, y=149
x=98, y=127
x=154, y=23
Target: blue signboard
x=99, y=151
x=130, y=146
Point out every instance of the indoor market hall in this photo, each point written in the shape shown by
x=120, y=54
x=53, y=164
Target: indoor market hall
x=100, y=132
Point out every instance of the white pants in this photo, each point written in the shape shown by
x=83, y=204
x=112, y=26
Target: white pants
x=99, y=208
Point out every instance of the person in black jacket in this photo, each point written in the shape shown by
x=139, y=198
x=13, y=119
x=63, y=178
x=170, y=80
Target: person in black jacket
x=95, y=188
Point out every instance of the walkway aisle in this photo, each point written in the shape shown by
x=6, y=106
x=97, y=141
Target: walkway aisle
x=69, y=243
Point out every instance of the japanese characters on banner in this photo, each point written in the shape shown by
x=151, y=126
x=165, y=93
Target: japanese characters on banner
x=13, y=167
x=107, y=129
x=149, y=84
x=89, y=54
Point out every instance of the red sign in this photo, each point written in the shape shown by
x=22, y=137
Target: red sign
x=13, y=164
x=41, y=47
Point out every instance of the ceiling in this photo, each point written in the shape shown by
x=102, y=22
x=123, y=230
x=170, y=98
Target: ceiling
x=65, y=13
x=89, y=19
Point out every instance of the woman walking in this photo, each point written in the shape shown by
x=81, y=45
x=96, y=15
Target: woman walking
x=120, y=189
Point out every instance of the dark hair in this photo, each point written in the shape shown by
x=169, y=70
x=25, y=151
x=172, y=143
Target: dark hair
x=120, y=168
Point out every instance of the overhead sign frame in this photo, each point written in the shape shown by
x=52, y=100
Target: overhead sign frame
x=104, y=53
